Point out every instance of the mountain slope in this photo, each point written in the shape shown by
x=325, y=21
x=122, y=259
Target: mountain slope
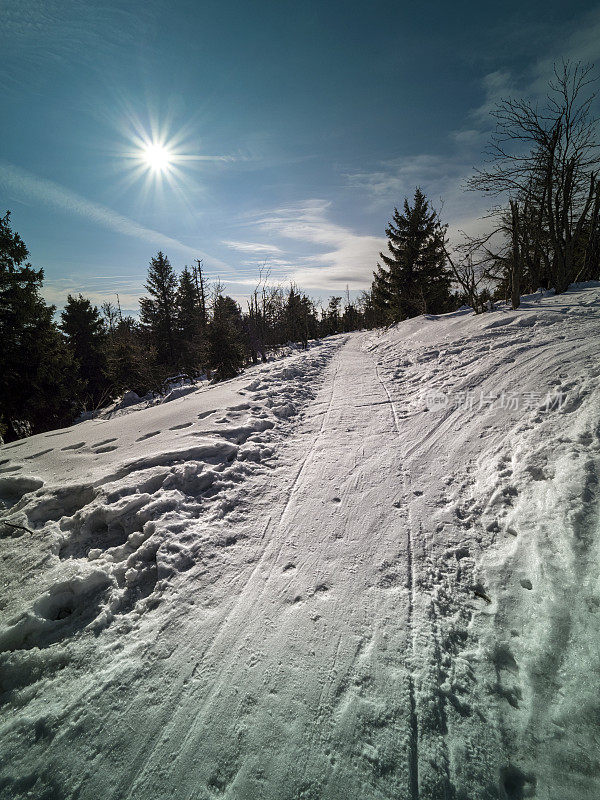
x=367, y=571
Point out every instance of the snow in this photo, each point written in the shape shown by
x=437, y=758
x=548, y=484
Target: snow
x=366, y=570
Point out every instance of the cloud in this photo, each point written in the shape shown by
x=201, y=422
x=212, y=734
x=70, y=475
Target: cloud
x=582, y=43
x=578, y=42
x=497, y=86
x=252, y=247
x=440, y=177
x=396, y=179
x=97, y=289
x=346, y=257
x=25, y=185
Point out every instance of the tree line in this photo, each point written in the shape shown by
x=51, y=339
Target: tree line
x=543, y=230
x=52, y=370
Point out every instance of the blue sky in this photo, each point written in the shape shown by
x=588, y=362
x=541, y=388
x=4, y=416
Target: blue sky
x=295, y=127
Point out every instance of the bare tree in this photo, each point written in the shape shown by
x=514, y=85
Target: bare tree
x=468, y=274
x=546, y=161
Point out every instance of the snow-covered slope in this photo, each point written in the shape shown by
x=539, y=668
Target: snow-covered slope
x=370, y=570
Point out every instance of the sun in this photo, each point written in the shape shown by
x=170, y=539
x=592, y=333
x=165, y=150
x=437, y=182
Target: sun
x=157, y=157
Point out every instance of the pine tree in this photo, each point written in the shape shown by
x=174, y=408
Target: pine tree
x=190, y=324
x=413, y=278
x=158, y=312
x=351, y=318
x=131, y=361
x=370, y=316
x=226, y=341
x=201, y=290
x=85, y=332
x=331, y=322
x=38, y=379
x=297, y=316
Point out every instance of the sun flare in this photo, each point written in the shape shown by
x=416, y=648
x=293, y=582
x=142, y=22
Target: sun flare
x=157, y=157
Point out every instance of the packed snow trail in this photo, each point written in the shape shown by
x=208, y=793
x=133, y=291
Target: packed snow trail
x=324, y=579
x=312, y=664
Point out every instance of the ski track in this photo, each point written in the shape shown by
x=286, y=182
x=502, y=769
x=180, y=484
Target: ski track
x=414, y=725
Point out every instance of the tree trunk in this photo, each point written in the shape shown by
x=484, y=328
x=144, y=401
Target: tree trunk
x=515, y=291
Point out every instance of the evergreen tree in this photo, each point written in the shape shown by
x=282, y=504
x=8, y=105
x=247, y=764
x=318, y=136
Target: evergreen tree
x=225, y=338
x=371, y=318
x=200, y=283
x=351, y=318
x=85, y=332
x=131, y=362
x=297, y=316
x=413, y=278
x=190, y=325
x=158, y=312
x=332, y=316
x=38, y=380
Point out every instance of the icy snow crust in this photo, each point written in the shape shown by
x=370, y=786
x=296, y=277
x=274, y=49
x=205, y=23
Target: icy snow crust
x=351, y=574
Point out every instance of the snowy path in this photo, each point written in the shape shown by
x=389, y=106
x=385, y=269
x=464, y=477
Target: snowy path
x=311, y=667
x=312, y=583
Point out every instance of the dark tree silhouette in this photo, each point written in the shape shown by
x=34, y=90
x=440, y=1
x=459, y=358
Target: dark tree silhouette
x=413, y=278
x=158, y=312
x=38, y=383
x=86, y=335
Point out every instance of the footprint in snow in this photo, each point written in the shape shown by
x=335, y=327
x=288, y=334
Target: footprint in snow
x=41, y=453
x=179, y=427
x=148, y=435
x=73, y=446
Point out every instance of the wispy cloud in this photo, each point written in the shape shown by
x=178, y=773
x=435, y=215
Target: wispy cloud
x=442, y=176
x=392, y=180
x=581, y=43
x=98, y=289
x=255, y=248
x=346, y=258
x=442, y=179
x=496, y=85
x=25, y=185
